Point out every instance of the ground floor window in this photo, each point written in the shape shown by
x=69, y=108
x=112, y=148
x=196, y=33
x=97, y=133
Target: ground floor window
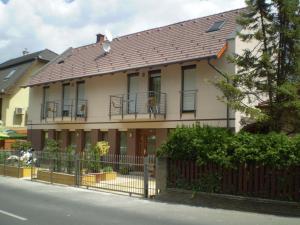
x=87, y=140
x=58, y=138
x=123, y=142
x=72, y=139
x=45, y=135
x=151, y=144
x=104, y=136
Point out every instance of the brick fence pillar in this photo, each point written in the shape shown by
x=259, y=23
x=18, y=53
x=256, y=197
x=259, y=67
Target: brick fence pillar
x=161, y=174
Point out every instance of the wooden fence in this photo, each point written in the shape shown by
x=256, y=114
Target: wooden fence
x=247, y=179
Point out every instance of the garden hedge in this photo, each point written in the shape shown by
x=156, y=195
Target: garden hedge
x=220, y=146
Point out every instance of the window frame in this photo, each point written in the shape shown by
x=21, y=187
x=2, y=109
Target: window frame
x=183, y=68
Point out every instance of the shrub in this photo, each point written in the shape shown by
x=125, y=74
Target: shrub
x=219, y=146
x=21, y=145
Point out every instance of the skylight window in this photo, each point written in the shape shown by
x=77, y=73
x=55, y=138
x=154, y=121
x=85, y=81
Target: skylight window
x=9, y=74
x=216, y=26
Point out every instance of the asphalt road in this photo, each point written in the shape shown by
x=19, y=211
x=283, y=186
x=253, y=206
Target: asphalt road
x=25, y=202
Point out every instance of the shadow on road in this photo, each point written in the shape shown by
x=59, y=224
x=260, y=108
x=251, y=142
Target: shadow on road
x=276, y=208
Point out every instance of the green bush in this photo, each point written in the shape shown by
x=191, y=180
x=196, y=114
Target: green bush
x=107, y=169
x=21, y=145
x=218, y=145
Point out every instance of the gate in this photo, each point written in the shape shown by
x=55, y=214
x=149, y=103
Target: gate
x=121, y=173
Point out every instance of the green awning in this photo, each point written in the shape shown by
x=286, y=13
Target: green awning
x=10, y=134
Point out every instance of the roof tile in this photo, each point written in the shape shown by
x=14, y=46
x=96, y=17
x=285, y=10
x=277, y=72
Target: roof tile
x=182, y=41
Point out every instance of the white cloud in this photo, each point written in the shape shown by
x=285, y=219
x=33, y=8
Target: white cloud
x=4, y=43
x=59, y=24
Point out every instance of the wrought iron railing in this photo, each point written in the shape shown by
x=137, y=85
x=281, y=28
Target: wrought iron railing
x=67, y=109
x=151, y=103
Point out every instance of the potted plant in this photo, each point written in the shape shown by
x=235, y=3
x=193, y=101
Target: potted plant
x=95, y=166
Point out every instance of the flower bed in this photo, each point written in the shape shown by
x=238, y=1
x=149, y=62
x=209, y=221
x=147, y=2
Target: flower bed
x=14, y=171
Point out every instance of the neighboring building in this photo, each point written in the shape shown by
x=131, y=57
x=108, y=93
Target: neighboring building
x=148, y=83
x=14, y=100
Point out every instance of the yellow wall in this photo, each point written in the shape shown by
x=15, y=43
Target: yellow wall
x=18, y=97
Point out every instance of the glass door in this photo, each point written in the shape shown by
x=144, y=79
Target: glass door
x=80, y=100
x=188, y=88
x=66, y=102
x=154, y=92
x=133, y=88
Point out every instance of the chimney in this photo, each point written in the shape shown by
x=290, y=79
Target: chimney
x=100, y=38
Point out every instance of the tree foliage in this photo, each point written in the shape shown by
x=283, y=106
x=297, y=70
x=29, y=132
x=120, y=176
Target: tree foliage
x=269, y=73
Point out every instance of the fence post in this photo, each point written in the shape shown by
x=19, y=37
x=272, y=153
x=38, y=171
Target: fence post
x=161, y=174
x=4, y=167
x=31, y=167
x=19, y=155
x=77, y=169
x=146, y=176
x=51, y=169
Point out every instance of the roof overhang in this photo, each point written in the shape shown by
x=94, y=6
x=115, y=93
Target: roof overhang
x=217, y=56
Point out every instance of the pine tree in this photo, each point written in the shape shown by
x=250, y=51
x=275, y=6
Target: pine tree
x=269, y=74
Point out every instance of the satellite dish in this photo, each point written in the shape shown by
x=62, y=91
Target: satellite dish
x=107, y=40
x=106, y=46
x=108, y=35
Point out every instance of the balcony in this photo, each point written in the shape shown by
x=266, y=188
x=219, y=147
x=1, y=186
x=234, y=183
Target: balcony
x=141, y=105
x=58, y=111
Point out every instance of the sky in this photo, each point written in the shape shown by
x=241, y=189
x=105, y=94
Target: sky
x=60, y=24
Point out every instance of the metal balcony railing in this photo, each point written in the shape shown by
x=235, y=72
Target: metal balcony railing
x=70, y=109
x=151, y=103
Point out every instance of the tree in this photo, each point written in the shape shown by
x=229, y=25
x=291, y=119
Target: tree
x=269, y=74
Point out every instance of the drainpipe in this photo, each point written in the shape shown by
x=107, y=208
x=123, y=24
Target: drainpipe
x=227, y=80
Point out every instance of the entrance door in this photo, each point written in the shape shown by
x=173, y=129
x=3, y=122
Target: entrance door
x=147, y=142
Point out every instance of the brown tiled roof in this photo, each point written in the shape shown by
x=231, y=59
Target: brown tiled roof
x=188, y=40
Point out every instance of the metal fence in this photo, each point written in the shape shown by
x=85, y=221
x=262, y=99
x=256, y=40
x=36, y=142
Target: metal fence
x=122, y=173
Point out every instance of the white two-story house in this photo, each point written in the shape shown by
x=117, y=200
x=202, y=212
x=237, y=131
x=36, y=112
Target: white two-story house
x=136, y=88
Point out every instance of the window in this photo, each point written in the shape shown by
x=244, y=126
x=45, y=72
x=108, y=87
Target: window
x=9, y=74
x=123, y=142
x=216, y=26
x=151, y=144
x=87, y=140
x=72, y=139
x=80, y=99
x=154, y=91
x=66, y=101
x=45, y=102
x=45, y=134
x=104, y=135
x=58, y=138
x=0, y=108
x=189, y=91
x=133, y=88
